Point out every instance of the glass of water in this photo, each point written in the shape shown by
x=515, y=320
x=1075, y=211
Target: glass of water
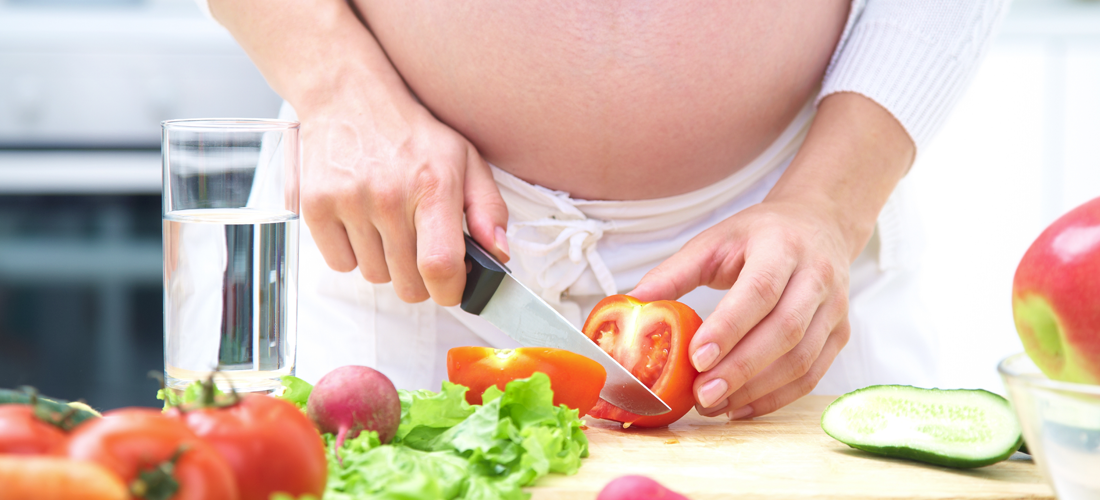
x=230, y=221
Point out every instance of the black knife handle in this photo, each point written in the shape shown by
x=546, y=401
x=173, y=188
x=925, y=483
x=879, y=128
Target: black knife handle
x=483, y=279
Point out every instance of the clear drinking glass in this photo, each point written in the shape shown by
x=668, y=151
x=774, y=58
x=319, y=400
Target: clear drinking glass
x=230, y=221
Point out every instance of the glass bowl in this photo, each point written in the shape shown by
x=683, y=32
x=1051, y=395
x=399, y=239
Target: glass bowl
x=1061, y=425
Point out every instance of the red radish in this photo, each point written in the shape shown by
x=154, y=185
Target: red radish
x=637, y=488
x=351, y=399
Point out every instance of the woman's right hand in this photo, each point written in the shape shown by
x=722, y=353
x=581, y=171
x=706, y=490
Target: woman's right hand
x=384, y=183
x=384, y=188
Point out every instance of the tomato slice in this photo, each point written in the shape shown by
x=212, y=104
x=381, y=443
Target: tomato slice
x=575, y=379
x=650, y=339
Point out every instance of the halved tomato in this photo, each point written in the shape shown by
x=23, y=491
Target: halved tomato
x=575, y=379
x=650, y=339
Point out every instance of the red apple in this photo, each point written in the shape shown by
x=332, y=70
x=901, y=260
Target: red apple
x=1056, y=297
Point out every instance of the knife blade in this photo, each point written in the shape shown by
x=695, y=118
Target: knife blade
x=494, y=294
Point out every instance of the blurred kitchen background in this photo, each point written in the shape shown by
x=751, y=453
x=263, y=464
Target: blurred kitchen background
x=84, y=85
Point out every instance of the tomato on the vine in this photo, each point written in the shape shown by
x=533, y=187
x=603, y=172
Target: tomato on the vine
x=575, y=379
x=156, y=456
x=23, y=431
x=270, y=445
x=650, y=339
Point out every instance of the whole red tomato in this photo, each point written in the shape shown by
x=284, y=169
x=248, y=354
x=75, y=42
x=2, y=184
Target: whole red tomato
x=575, y=379
x=152, y=453
x=650, y=339
x=270, y=445
x=25, y=433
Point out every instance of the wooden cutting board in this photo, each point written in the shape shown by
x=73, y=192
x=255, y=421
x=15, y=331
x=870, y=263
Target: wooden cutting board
x=782, y=455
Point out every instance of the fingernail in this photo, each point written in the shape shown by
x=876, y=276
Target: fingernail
x=740, y=413
x=705, y=356
x=501, y=241
x=711, y=391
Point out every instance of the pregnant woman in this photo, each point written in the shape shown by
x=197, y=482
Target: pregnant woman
x=742, y=156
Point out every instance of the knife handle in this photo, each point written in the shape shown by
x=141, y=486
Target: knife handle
x=483, y=279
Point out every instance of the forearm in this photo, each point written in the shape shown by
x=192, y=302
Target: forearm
x=852, y=159
x=314, y=53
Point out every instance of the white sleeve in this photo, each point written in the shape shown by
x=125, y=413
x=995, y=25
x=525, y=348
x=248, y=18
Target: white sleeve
x=913, y=57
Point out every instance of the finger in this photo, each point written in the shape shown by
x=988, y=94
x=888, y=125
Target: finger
x=803, y=385
x=397, y=229
x=440, y=248
x=332, y=240
x=679, y=274
x=366, y=244
x=753, y=296
x=486, y=213
x=779, y=332
x=797, y=362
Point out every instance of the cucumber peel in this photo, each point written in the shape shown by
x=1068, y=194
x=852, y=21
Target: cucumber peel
x=960, y=428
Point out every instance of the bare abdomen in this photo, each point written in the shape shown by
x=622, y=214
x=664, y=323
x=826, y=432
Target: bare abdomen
x=613, y=100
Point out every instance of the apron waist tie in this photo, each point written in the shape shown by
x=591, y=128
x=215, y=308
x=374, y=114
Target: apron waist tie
x=558, y=264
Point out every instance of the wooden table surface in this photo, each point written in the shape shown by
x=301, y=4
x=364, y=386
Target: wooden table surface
x=782, y=455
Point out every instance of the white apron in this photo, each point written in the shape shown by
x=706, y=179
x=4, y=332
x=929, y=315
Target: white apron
x=575, y=252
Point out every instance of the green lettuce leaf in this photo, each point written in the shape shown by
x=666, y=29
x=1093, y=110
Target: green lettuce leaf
x=295, y=390
x=449, y=449
x=426, y=414
x=373, y=471
x=191, y=393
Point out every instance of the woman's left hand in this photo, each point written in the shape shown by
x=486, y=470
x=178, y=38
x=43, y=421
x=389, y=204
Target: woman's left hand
x=785, y=318
x=785, y=262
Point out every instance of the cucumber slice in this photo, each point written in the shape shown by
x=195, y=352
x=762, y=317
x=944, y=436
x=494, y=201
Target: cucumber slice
x=960, y=428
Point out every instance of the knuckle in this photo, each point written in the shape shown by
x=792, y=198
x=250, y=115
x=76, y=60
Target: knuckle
x=806, y=384
x=766, y=286
x=765, y=405
x=843, y=333
x=319, y=201
x=791, y=241
x=740, y=370
x=748, y=394
x=728, y=325
x=340, y=265
x=411, y=294
x=439, y=267
x=387, y=198
x=824, y=274
x=434, y=182
x=842, y=304
x=313, y=205
x=488, y=202
x=315, y=219
x=802, y=360
x=792, y=327
x=374, y=274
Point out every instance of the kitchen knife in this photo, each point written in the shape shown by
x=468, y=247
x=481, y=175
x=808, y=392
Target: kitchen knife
x=494, y=294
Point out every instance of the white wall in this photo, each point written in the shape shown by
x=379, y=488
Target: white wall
x=1021, y=148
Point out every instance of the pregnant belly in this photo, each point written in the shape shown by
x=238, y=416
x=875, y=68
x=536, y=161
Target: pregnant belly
x=612, y=100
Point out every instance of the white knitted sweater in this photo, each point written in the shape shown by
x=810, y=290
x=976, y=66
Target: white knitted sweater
x=913, y=57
